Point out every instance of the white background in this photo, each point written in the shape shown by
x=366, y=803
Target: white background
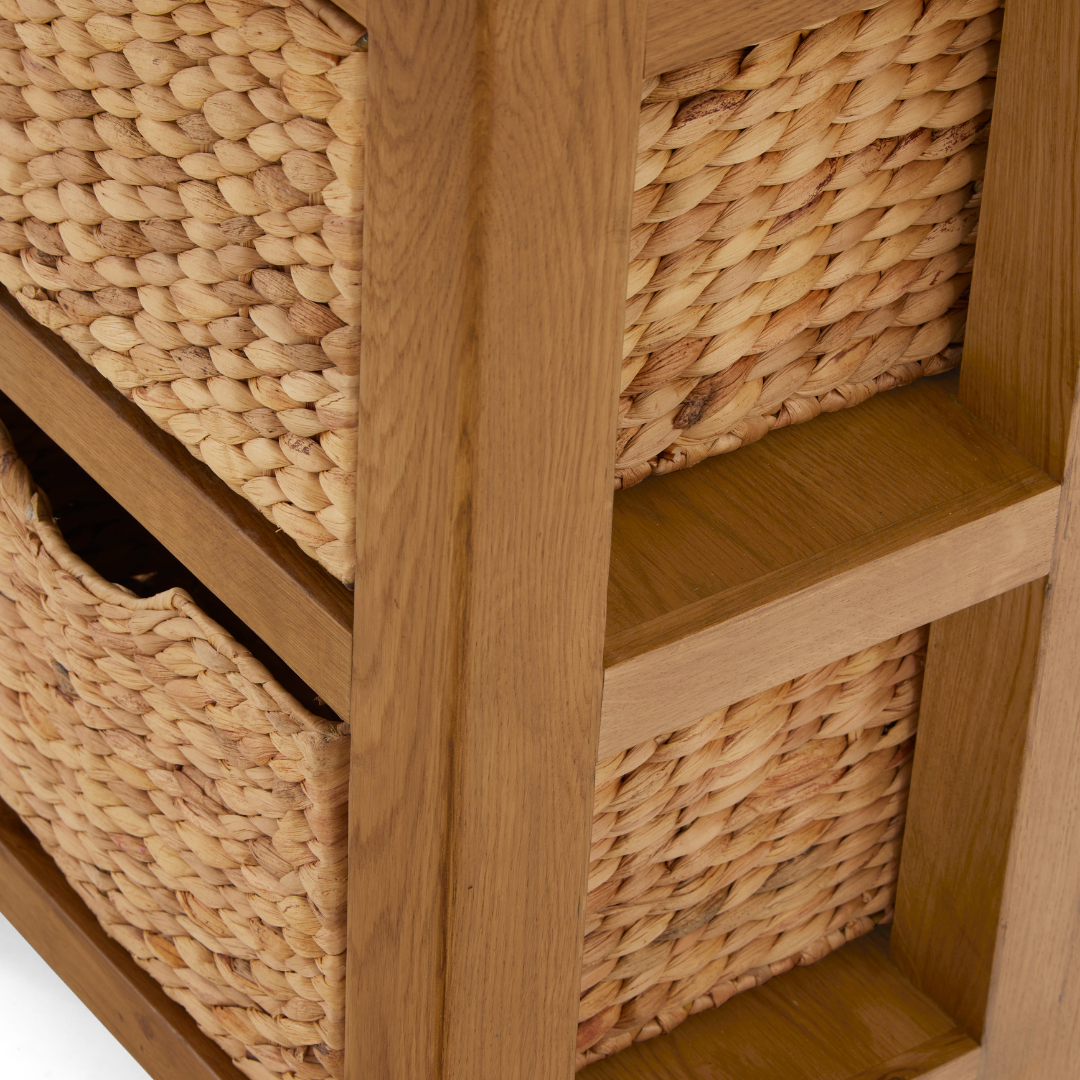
x=46, y=1033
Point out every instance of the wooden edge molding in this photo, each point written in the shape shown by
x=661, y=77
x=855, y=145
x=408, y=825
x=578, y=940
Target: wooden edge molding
x=42, y=906
x=358, y=9
x=282, y=595
x=795, y=621
x=682, y=32
x=952, y=1056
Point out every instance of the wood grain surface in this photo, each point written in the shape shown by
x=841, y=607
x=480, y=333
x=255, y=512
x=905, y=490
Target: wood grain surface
x=757, y=567
x=794, y=623
x=294, y=606
x=682, y=32
x=1032, y=1027
x=500, y=148
x=1020, y=376
x=40, y=904
x=952, y=1056
x=851, y=1016
x=1022, y=343
x=680, y=541
x=972, y=725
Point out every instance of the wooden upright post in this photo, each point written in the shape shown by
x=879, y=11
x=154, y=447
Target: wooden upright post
x=500, y=153
x=988, y=917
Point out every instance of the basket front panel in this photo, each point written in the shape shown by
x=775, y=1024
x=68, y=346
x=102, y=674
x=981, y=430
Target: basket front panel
x=193, y=804
x=804, y=224
x=763, y=836
x=183, y=190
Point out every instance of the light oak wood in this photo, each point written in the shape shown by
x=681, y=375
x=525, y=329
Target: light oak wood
x=941, y=564
x=497, y=224
x=40, y=904
x=283, y=596
x=1033, y=1012
x=682, y=32
x=952, y=1056
x=1023, y=336
x=1020, y=377
x=972, y=725
x=851, y=1016
x=795, y=552
x=681, y=542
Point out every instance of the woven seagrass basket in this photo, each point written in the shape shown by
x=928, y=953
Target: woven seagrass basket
x=194, y=804
x=183, y=201
x=200, y=810
x=765, y=835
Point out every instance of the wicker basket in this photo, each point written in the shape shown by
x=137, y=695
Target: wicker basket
x=764, y=835
x=804, y=226
x=184, y=186
x=193, y=803
x=200, y=810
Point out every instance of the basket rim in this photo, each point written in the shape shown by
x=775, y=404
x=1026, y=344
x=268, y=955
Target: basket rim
x=16, y=480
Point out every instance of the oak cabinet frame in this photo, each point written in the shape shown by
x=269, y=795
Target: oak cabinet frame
x=496, y=650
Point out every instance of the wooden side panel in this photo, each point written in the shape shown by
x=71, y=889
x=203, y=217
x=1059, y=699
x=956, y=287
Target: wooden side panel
x=682, y=32
x=1023, y=333
x=1019, y=376
x=285, y=597
x=972, y=726
x=1033, y=1013
x=40, y=904
x=495, y=263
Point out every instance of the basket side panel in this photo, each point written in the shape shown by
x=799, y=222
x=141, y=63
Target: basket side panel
x=763, y=836
x=804, y=223
x=182, y=201
x=198, y=812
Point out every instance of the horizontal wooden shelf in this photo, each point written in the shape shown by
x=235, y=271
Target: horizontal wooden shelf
x=851, y=1016
x=282, y=595
x=819, y=540
x=39, y=903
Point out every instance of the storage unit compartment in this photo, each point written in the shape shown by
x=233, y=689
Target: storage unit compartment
x=765, y=835
x=184, y=196
x=200, y=810
x=804, y=225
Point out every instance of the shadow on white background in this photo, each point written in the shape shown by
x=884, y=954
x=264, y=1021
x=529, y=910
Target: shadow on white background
x=46, y=1032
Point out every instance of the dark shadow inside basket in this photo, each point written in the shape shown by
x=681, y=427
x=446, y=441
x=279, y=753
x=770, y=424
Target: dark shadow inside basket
x=98, y=529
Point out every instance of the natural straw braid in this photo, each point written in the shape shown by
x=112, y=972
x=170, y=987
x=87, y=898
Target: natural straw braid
x=184, y=198
x=201, y=813
x=804, y=223
x=196, y=807
x=184, y=189
x=763, y=836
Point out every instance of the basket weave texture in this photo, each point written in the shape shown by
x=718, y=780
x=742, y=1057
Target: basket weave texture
x=201, y=813
x=762, y=836
x=184, y=197
x=196, y=807
x=804, y=224
x=183, y=186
